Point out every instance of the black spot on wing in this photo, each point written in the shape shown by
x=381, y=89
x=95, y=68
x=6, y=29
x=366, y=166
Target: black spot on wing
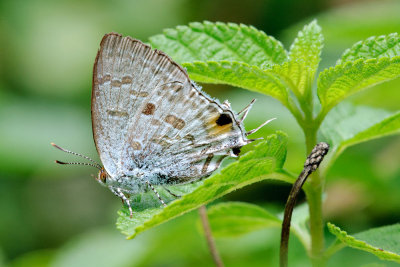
x=236, y=151
x=224, y=119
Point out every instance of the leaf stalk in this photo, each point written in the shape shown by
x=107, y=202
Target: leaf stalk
x=210, y=239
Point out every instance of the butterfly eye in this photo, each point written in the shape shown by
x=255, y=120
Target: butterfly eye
x=102, y=176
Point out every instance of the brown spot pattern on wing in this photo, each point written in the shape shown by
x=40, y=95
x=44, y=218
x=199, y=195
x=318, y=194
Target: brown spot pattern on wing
x=136, y=145
x=189, y=137
x=116, y=83
x=155, y=122
x=176, y=122
x=117, y=113
x=136, y=93
x=106, y=78
x=126, y=80
x=206, y=163
x=149, y=109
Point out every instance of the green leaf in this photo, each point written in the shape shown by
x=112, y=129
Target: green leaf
x=228, y=54
x=236, y=218
x=348, y=125
x=383, y=242
x=389, y=125
x=373, y=47
x=264, y=162
x=241, y=75
x=343, y=80
x=209, y=41
x=232, y=219
x=306, y=51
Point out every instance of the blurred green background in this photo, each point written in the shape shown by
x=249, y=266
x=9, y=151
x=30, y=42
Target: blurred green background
x=52, y=215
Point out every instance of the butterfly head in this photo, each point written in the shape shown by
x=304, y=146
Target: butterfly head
x=102, y=176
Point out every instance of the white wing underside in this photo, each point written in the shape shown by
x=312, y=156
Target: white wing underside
x=149, y=120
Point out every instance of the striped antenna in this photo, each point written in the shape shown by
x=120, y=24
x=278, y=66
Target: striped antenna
x=77, y=163
x=95, y=164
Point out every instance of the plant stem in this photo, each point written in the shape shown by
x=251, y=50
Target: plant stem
x=311, y=164
x=210, y=240
x=333, y=248
x=315, y=188
x=314, y=199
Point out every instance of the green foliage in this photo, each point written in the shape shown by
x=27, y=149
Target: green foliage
x=384, y=242
x=242, y=56
x=264, y=162
x=219, y=41
x=348, y=125
x=231, y=219
x=343, y=80
x=373, y=47
x=228, y=54
x=306, y=51
x=239, y=74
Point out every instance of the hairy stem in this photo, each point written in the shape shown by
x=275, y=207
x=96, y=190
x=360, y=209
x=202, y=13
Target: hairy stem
x=210, y=240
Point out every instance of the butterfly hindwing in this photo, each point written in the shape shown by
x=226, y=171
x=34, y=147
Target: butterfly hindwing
x=151, y=121
x=121, y=83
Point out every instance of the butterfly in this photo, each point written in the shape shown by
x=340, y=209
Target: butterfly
x=152, y=125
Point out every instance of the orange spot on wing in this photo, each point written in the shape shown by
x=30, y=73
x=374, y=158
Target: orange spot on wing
x=214, y=128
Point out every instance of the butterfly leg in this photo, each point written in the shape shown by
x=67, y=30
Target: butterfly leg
x=124, y=199
x=172, y=194
x=155, y=192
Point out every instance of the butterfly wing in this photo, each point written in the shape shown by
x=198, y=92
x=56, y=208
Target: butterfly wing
x=149, y=119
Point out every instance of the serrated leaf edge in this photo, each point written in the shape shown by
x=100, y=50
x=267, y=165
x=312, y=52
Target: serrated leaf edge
x=271, y=72
x=344, y=237
x=347, y=65
x=360, y=44
x=256, y=36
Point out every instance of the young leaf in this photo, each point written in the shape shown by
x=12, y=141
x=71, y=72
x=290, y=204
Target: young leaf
x=232, y=219
x=383, y=242
x=264, y=162
x=241, y=75
x=347, y=125
x=373, y=47
x=341, y=81
x=236, y=218
x=209, y=41
x=305, y=50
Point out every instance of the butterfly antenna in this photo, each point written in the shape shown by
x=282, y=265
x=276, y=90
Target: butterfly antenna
x=246, y=110
x=76, y=154
x=259, y=127
x=77, y=163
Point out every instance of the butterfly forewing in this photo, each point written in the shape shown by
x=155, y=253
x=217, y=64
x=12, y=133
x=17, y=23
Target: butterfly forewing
x=150, y=121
